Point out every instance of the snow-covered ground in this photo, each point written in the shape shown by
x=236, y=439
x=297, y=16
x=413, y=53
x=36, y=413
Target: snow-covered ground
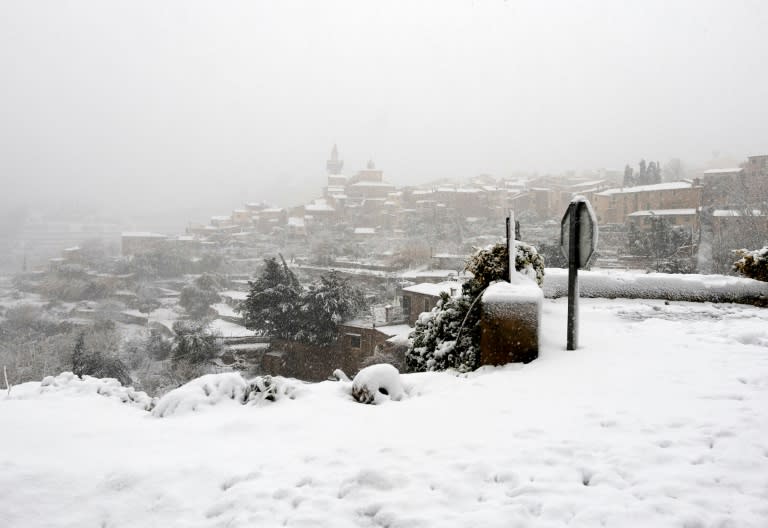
x=659, y=419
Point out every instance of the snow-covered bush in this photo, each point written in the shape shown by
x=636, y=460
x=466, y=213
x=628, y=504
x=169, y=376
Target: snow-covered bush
x=434, y=346
x=434, y=343
x=224, y=389
x=377, y=383
x=92, y=362
x=270, y=388
x=753, y=264
x=68, y=382
x=492, y=264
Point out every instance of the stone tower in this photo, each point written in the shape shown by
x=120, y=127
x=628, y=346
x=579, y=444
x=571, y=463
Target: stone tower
x=334, y=165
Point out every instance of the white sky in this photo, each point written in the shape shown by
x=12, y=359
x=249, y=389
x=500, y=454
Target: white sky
x=220, y=102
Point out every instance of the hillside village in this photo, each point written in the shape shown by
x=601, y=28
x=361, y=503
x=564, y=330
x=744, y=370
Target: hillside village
x=402, y=246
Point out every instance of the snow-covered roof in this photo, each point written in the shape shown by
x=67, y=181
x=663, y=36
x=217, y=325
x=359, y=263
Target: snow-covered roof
x=643, y=188
x=395, y=330
x=228, y=329
x=736, y=212
x=319, y=205
x=732, y=170
x=665, y=212
x=142, y=234
x=584, y=185
x=365, y=230
x=295, y=221
x=372, y=184
x=234, y=294
x=428, y=288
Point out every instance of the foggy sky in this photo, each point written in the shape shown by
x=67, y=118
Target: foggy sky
x=209, y=104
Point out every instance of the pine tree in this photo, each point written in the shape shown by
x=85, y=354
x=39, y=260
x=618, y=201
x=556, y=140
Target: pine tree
x=642, y=176
x=326, y=304
x=80, y=364
x=87, y=362
x=279, y=306
x=629, y=177
x=273, y=301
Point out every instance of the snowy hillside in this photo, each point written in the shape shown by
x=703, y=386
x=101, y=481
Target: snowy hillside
x=659, y=419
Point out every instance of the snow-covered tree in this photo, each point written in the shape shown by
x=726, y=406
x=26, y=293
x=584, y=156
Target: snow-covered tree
x=629, y=176
x=324, y=305
x=665, y=244
x=272, y=304
x=279, y=306
x=197, y=298
x=87, y=361
x=194, y=343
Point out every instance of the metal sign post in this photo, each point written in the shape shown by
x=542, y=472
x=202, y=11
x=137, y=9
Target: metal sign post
x=511, y=249
x=574, y=227
x=578, y=239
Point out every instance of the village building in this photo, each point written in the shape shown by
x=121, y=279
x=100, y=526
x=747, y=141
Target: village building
x=613, y=205
x=643, y=220
x=423, y=297
x=138, y=243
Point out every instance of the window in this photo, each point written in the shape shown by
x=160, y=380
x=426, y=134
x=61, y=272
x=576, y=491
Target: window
x=354, y=340
x=426, y=305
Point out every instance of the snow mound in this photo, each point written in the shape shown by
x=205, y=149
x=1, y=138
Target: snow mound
x=69, y=383
x=377, y=384
x=228, y=388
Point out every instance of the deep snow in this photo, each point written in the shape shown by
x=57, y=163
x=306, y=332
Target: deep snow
x=659, y=419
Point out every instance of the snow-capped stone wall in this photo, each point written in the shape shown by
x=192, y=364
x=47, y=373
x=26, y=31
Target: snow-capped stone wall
x=510, y=322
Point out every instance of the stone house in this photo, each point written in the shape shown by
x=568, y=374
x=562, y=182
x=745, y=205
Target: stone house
x=613, y=205
x=423, y=297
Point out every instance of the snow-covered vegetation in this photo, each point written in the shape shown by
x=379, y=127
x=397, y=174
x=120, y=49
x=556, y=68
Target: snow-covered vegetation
x=377, y=383
x=68, y=384
x=224, y=389
x=279, y=305
x=753, y=264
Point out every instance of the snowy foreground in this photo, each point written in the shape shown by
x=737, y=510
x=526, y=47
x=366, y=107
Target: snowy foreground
x=659, y=419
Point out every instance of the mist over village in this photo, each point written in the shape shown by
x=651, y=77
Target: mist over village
x=408, y=264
